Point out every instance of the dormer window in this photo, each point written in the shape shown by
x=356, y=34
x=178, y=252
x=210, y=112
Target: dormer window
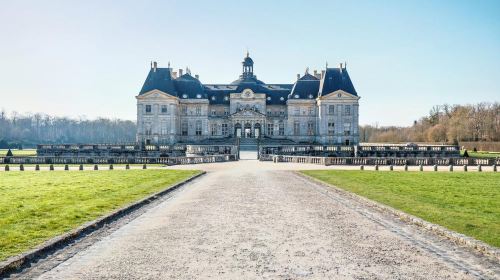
x=269, y=98
x=282, y=98
x=184, y=96
x=226, y=98
x=296, y=96
x=213, y=98
x=311, y=96
x=198, y=96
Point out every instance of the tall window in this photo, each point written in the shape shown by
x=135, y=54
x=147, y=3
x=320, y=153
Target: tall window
x=270, y=129
x=296, y=128
x=311, y=111
x=347, y=129
x=198, y=127
x=163, y=127
x=331, y=128
x=148, y=108
x=331, y=109
x=213, y=129
x=147, y=129
x=198, y=110
x=297, y=111
x=281, y=129
x=224, y=129
x=226, y=111
x=347, y=110
x=164, y=109
x=184, y=128
x=184, y=109
x=214, y=112
x=310, y=128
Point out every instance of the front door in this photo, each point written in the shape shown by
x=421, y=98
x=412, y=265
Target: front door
x=248, y=133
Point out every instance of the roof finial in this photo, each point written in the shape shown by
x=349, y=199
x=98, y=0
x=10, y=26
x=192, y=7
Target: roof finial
x=248, y=54
x=307, y=70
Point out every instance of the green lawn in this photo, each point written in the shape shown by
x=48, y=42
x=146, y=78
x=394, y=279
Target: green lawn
x=36, y=206
x=468, y=203
x=25, y=152
x=481, y=154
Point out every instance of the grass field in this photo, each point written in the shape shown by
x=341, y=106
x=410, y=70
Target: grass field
x=481, y=154
x=25, y=152
x=468, y=203
x=36, y=206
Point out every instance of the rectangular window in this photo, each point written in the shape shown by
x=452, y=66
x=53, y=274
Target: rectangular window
x=213, y=129
x=198, y=128
x=331, y=109
x=296, y=128
x=224, y=129
x=347, y=110
x=163, y=109
x=198, y=110
x=331, y=128
x=270, y=129
x=163, y=127
x=282, y=113
x=281, y=130
x=347, y=129
x=184, y=128
x=214, y=112
x=148, y=108
x=311, y=111
x=226, y=111
x=310, y=128
x=147, y=129
x=184, y=109
x=269, y=113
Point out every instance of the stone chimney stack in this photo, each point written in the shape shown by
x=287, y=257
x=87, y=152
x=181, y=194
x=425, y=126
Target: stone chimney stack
x=340, y=67
x=174, y=74
x=317, y=75
x=197, y=76
x=322, y=73
x=155, y=65
x=180, y=72
x=298, y=76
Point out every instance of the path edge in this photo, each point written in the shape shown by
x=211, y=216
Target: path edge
x=14, y=263
x=458, y=238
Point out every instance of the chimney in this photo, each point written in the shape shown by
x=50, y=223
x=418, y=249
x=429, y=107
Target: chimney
x=180, y=72
x=322, y=73
x=317, y=75
x=197, y=76
x=155, y=65
x=298, y=76
x=345, y=65
x=340, y=67
x=174, y=74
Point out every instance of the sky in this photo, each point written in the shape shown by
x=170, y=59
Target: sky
x=90, y=58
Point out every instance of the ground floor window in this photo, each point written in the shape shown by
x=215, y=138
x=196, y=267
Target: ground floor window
x=296, y=128
x=281, y=129
x=347, y=129
x=331, y=128
x=310, y=128
x=198, y=128
x=224, y=129
x=270, y=129
x=213, y=129
x=184, y=128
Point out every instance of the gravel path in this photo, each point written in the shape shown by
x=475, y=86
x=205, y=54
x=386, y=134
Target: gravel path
x=244, y=220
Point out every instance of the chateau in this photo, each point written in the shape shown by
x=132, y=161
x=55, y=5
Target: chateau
x=173, y=107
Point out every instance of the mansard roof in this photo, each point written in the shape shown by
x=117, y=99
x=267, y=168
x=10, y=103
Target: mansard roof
x=306, y=87
x=189, y=87
x=160, y=79
x=336, y=79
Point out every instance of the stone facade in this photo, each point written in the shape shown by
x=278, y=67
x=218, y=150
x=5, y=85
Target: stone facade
x=173, y=107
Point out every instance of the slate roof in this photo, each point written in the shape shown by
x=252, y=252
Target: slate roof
x=306, y=87
x=160, y=79
x=336, y=79
x=188, y=87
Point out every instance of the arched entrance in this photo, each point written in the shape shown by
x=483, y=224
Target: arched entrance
x=237, y=130
x=256, y=128
x=247, y=130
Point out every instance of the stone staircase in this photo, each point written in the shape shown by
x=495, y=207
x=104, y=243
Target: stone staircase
x=248, y=144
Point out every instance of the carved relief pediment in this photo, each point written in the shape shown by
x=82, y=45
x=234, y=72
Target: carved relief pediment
x=248, y=114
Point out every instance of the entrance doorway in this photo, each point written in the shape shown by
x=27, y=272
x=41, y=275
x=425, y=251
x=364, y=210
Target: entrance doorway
x=247, y=130
x=237, y=130
x=257, y=130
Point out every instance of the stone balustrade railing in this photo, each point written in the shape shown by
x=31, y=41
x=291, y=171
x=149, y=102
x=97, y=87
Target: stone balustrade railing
x=118, y=160
x=381, y=161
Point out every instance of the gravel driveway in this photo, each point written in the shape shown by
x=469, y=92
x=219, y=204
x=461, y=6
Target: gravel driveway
x=244, y=220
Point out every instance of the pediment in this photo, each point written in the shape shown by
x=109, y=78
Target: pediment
x=339, y=94
x=248, y=114
x=156, y=94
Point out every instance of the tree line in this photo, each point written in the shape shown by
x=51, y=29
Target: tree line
x=444, y=124
x=27, y=130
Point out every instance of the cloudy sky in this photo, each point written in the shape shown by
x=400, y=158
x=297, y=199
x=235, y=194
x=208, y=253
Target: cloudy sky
x=90, y=58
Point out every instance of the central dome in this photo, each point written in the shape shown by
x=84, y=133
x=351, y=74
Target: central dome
x=247, y=61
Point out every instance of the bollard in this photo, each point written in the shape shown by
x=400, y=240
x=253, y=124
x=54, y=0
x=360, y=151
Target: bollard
x=391, y=168
x=144, y=167
x=465, y=167
x=51, y=167
x=479, y=168
x=406, y=167
x=21, y=167
x=376, y=167
x=66, y=167
x=110, y=167
x=361, y=167
x=37, y=167
x=421, y=167
x=435, y=167
x=127, y=166
x=81, y=167
x=494, y=168
x=451, y=168
x=7, y=168
x=96, y=167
